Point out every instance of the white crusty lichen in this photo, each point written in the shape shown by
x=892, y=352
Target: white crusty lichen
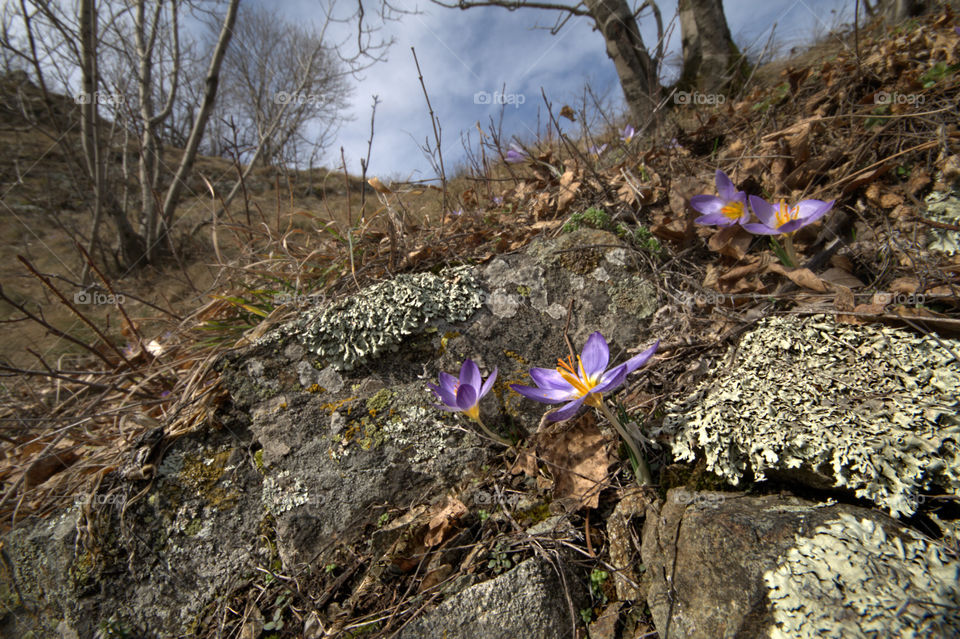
x=851, y=579
x=943, y=207
x=280, y=493
x=376, y=319
x=874, y=408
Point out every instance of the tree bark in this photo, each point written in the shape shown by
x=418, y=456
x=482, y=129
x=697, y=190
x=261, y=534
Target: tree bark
x=196, y=133
x=711, y=61
x=635, y=68
x=89, y=131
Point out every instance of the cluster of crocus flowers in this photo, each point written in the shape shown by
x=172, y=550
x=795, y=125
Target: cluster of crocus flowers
x=571, y=384
x=463, y=394
x=585, y=382
x=730, y=208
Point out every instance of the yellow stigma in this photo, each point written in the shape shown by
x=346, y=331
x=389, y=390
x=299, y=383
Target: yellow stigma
x=473, y=412
x=576, y=378
x=785, y=214
x=733, y=210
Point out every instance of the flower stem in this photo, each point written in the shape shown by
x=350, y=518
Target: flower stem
x=791, y=252
x=643, y=471
x=493, y=435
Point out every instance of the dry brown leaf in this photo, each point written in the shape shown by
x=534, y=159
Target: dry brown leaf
x=541, y=206
x=856, y=180
x=378, y=186
x=605, y=627
x=919, y=179
x=567, y=112
x=49, y=465
x=435, y=576
x=731, y=279
x=450, y=511
x=844, y=300
x=579, y=457
x=525, y=463
x=841, y=277
x=469, y=198
x=731, y=241
x=801, y=277
x=890, y=200
x=905, y=285
x=568, y=189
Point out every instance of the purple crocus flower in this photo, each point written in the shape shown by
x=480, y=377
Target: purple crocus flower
x=595, y=150
x=515, y=154
x=584, y=383
x=463, y=395
x=781, y=219
x=728, y=209
x=628, y=133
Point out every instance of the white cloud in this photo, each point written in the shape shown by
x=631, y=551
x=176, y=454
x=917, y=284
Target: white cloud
x=463, y=53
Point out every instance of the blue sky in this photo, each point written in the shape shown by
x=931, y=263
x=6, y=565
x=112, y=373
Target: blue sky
x=478, y=51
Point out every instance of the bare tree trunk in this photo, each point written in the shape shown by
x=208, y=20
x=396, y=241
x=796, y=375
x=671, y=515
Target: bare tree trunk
x=635, y=68
x=150, y=148
x=89, y=131
x=210, y=95
x=710, y=58
x=896, y=11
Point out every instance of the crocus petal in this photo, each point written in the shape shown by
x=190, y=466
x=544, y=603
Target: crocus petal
x=445, y=394
x=761, y=229
x=487, y=385
x=725, y=186
x=707, y=204
x=466, y=397
x=812, y=210
x=470, y=375
x=595, y=355
x=764, y=212
x=449, y=409
x=542, y=395
x=449, y=383
x=612, y=379
x=548, y=378
x=717, y=219
x=566, y=412
x=639, y=360
x=792, y=226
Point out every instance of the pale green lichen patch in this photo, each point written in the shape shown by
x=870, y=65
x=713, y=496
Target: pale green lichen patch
x=378, y=318
x=943, y=208
x=851, y=579
x=282, y=493
x=873, y=408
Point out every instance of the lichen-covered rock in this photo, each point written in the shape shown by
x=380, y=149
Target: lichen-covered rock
x=943, y=207
x=529, y=601
x=869, y=409
x=193, y=536
x=328, y=427
x=705, y=555
x=849, y=578
x=379, y=317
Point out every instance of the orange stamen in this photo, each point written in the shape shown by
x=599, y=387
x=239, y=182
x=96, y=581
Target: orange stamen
x=579, y=381
x=733, y=210
x=785, y=214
